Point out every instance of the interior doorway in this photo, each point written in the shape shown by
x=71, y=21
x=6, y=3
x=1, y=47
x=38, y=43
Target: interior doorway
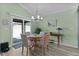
x=19, y=26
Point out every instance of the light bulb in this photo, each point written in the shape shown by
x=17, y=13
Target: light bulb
x=38, y=17
x=41, y=18
x=33, y=17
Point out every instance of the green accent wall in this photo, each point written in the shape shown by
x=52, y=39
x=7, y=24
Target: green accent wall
x=68, y=21
x=5, y=30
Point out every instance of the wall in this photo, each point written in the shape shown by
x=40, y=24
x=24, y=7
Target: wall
x=5, y=30
x=34, y=25
x=67, y=20
x=78, y=25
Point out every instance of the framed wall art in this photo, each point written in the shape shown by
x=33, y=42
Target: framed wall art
x=52, y=23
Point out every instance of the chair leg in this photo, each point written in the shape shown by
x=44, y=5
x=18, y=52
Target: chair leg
x=30, y=50
x=43, y=51
x=47, y=47
x=22, y=50
x=27, y=51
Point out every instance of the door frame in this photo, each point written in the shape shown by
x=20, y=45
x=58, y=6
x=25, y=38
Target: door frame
x=16, y=17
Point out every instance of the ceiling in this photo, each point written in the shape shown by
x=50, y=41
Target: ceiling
x=46, y=8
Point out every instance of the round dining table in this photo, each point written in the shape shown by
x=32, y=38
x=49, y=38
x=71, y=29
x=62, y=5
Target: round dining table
x=35, y=38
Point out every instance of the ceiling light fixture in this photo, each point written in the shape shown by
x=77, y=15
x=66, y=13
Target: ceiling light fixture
x=37, y=17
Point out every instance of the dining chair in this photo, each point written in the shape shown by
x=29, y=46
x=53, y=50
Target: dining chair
x=29, y=34
x=26, y=43
x=44, y=42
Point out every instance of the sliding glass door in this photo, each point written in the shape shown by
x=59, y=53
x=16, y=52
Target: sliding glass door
x=19, y=26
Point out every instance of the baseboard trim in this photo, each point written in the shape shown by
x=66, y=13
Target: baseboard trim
x=67, y=45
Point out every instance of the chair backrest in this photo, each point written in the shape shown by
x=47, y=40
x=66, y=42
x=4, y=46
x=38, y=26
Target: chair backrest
x=47, y=35
x=27, y=33
x=24, y=40
x=42, y=33
x=45, y=38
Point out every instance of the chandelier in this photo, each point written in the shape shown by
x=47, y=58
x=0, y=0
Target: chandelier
x=37, y=17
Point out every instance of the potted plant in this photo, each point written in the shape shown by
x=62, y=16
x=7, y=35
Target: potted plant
x=59, y=29
x=37, y=30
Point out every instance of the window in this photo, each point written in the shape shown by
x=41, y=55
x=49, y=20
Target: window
x=28, y=28
x=17, y=30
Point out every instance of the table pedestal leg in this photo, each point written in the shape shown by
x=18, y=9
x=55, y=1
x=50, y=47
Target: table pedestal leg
x=58, y=40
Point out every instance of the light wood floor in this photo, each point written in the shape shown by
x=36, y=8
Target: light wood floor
x=54, y=50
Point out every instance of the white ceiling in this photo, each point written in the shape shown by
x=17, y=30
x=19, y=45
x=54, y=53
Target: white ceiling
x=46, y=8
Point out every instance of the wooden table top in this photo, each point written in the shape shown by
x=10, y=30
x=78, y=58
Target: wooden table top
x=55, y=34
x=35, y=37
